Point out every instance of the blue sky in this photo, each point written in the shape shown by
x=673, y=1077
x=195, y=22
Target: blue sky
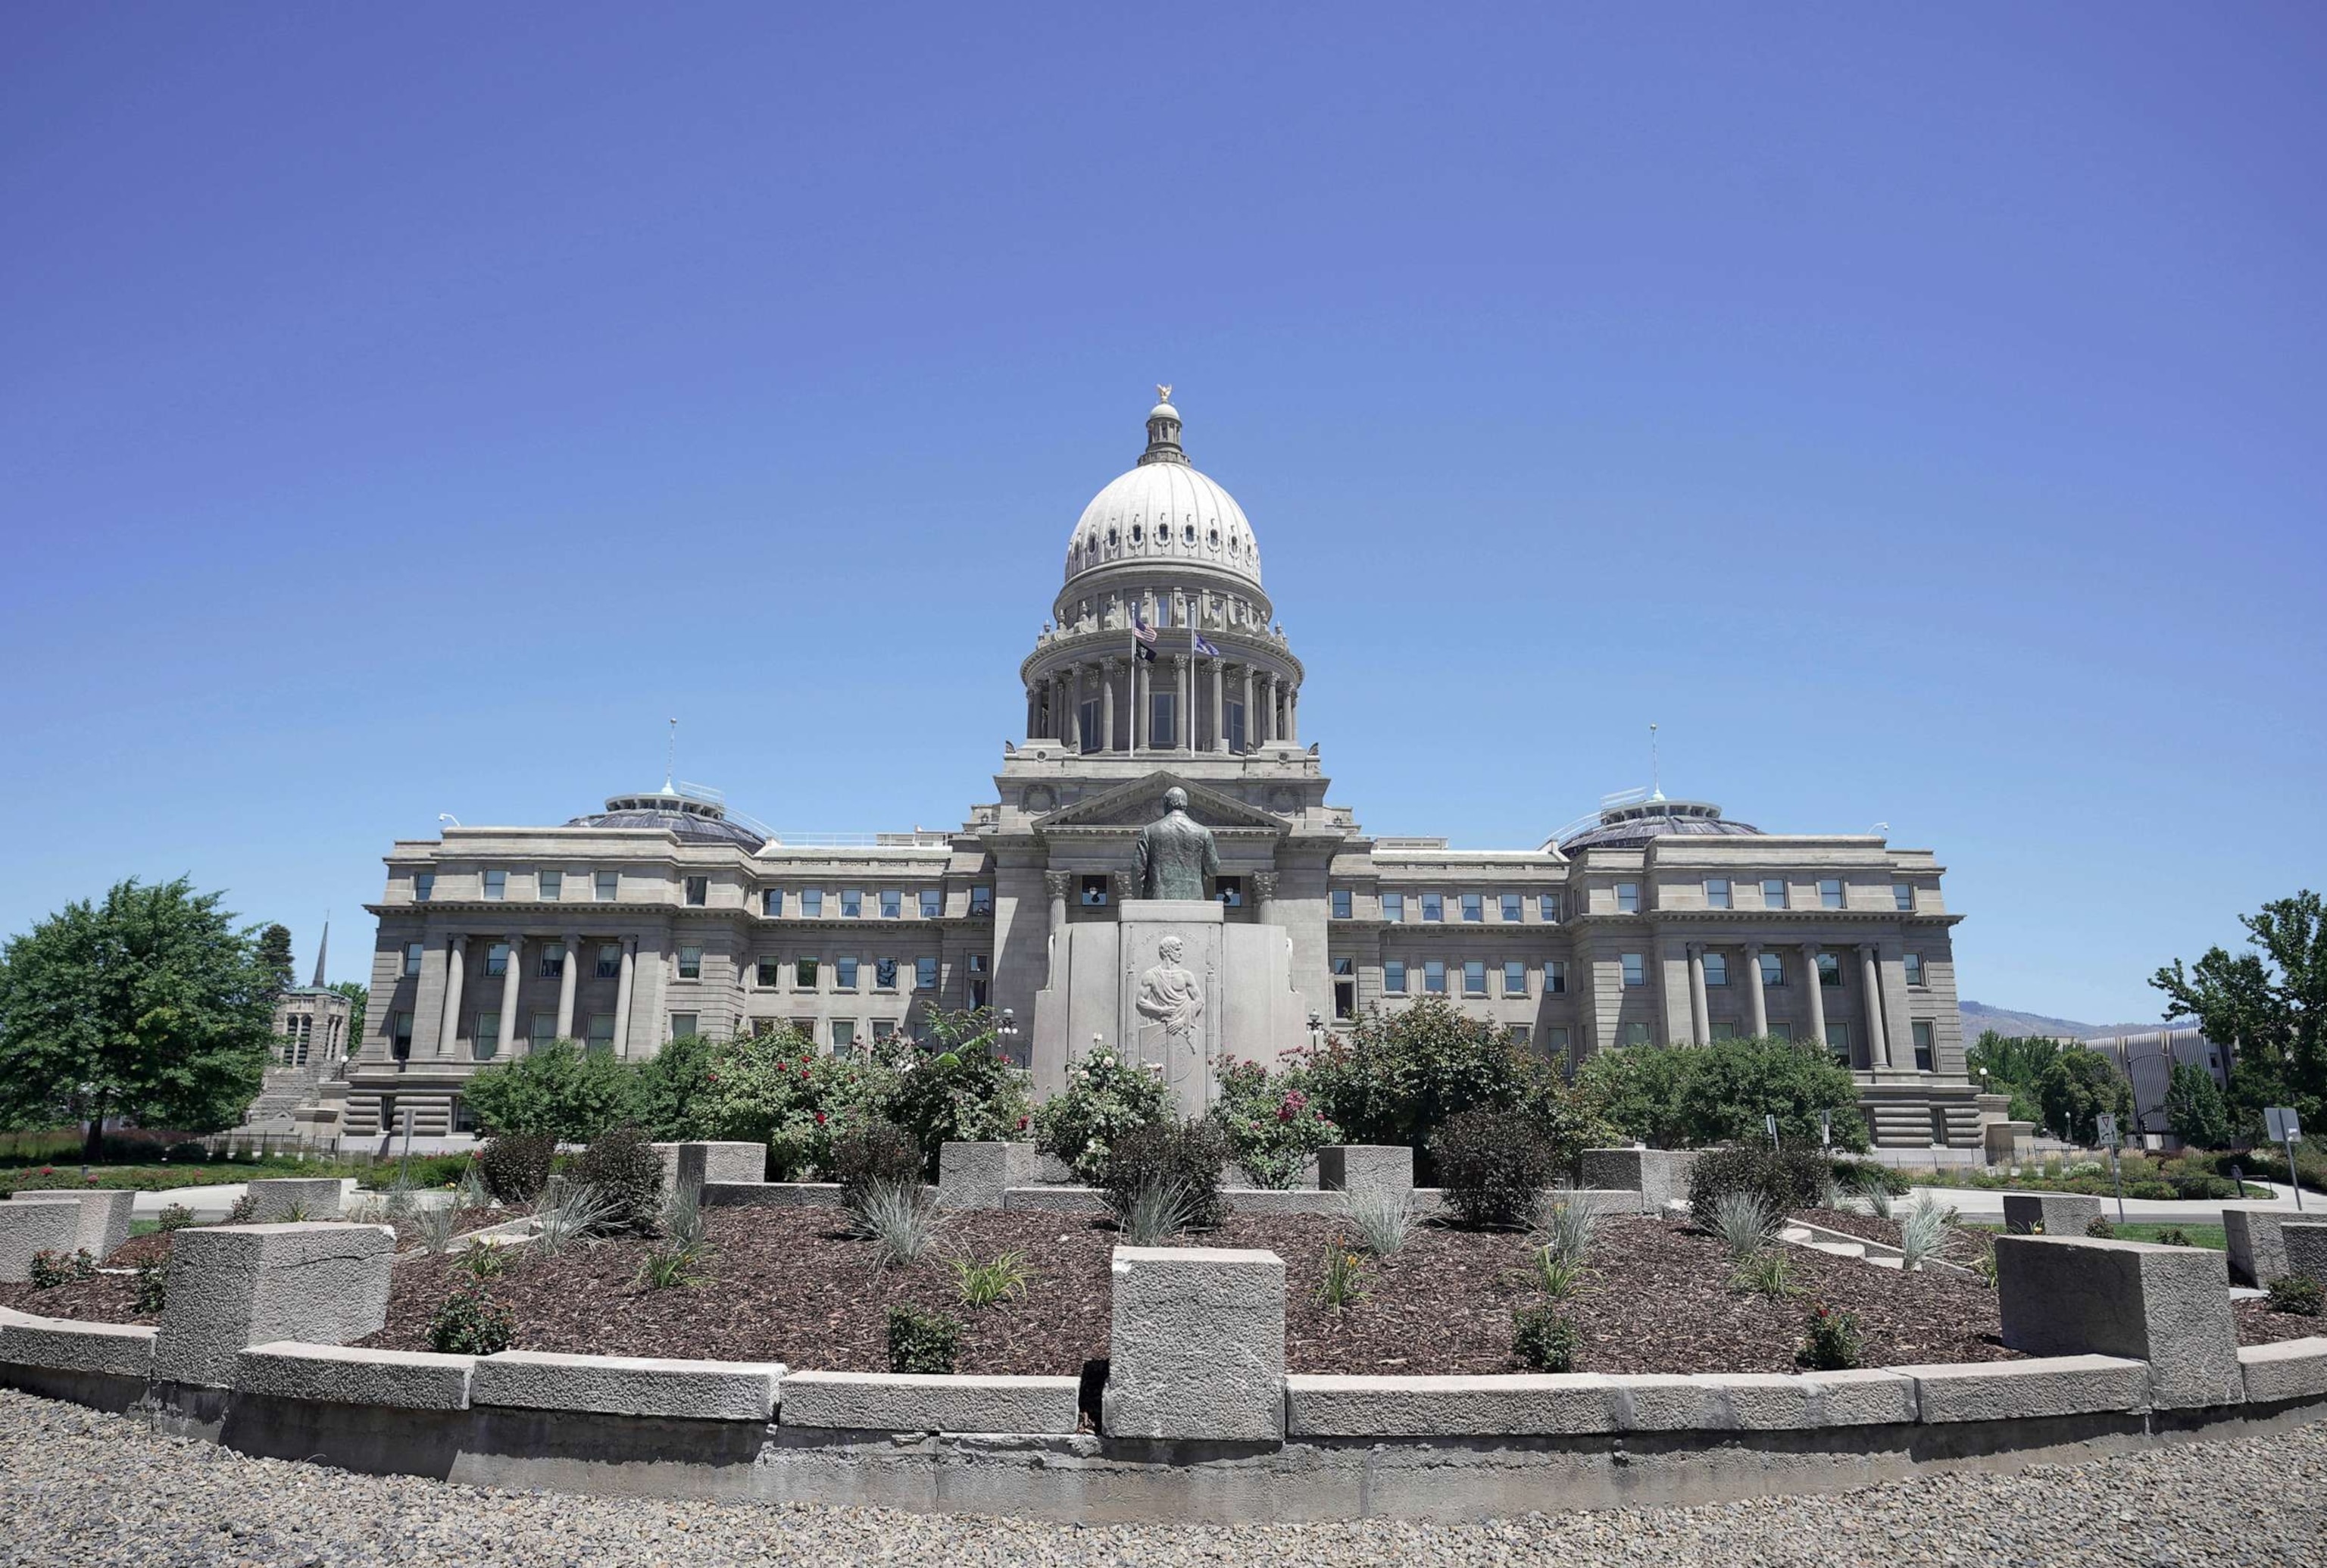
x=1915, y=412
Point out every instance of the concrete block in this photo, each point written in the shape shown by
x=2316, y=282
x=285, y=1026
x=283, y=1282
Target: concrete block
x=916, y=1402
x=1283, y=1200
x=342, y=1374
x=2170, y=1306
x=1196, y=1347
x=1056, y=1200
x=64, y=1344
x=670, y=1153
x=977, y=1175
x=702, y=1163
x=629, y=1385
x=771, y=1195
x=274, y=1198
x=2257, y=1251
x=2289, y=1369
x=2015, y=1390
x=1366, y=1168
x=2049, y=1213
x=1762, y=1401
x=1500, y=1405
x=1658, y=1175
x=233, y=1286
x=104, y=1216
x=2306, y=1248
x=29, y=1229
x=1050, y=1171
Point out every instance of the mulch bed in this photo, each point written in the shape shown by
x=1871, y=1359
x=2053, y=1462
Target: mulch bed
x=2258, y=1325
x=1961, y=1247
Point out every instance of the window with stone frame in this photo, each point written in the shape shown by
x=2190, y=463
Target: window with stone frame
x=1781, y=1031
x=893, y=903
x=399, y=1035
x=1095, y=895
x=1513, y=906
x=1913, y=965
x=1838, y=1042
x=772, y=901
x=551, y=965
x=925, y=974
x=549, y=886
x=542, y=1028
x=683, y=1025
x=843, y=974
x=852, y=904
x=844, y=1036
x=497, y=959
x=610, y=960
x=606, y=886
x=1515, y=977
x=1830, y=892
x=1634, y=1034
x=884, y=974
x=803, y=974
x=1773, y=971
x=1554, y=1040
x=413, y=953
x=1229, y=891
x=698, y=890
x=1164, y=708
x=1555, y=977
x=424, y=886
x=812, y=903
x=1628, y=898
x=981, y=900
x=1773, y=894
x=1903, y=897
x=1716, y=893
x=1345, y=988
x=1393, y=907
x=1394, y=977
x=496, y=885
x=1716, y=970
x=1636, y=969
x=1723, y=1029
x=768, y=974
x=1434, y=907
x=932, y=903
x=485, y=1039
x=1547, y=907
x=1475, y=907
x=1434, y=976
x=690, y=962
x=1339, y=903
x=1830, y=971
x=884, y=1030
x=1926, y=1046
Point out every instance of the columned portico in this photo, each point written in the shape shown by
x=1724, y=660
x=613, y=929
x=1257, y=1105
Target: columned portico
x=1817, y=991
x=623, y=992
x=1757, y=999
x=1870, y=981
x=567, y=978
x=456, y=966
x=507, y=1043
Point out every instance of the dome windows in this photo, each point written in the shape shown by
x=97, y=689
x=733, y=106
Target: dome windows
x=1215, y=539
x=1187, y=534
x=1135, y=533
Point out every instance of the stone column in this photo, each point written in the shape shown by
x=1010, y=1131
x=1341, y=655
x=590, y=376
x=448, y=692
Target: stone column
x=1267, y=715
x=566, y=980
x=1220, y=706
x=1074, y=683
x=1700, y=1011
x=1058, y=884
x=456, y=967
x=1264, y=893
x=1870, y=980
x=1293, y=715
x=623, y=996
x=1817, y=991
x=1251, y=720
x=510, y=975
x=1756, y=998
x=1033, y=717
x=1106, y=705
x=1183, y=681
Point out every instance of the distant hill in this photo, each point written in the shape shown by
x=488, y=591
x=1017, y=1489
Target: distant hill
x=1979, y=1016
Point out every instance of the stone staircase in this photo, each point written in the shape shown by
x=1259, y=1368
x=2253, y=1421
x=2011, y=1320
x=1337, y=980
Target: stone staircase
x=1835, y=1245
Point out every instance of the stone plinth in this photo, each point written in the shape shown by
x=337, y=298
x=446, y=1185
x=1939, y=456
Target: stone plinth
x=104, y=1216
x=29, y=1229
x=1658, y=1175
x=702, y=1162
x=233, y=1286
x=1196, y=1348
x=1366, y=1170
x=2169, y=1306
x=2306, y=1243
x=977, y=1175
x=2003, y=1142
x=274, y=1198
x=2049, y=1213
x=2257, y=1251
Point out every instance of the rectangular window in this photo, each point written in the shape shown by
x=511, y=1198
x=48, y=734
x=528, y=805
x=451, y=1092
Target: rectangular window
x=413, y=953
x=1515, y=979
x=496, y=885
x=843, y=974
x=1636, y=969
x=1475, y=907
x=772, y=901
x=698, y=890
x=1394, y=977
x=1474, y=978
x=497, y=959
x=1434, y=976
x=1521, y=1034
x=607, y=886
x=1913, y=964
x=683, y=1025
x=1838, y=1042
x=1938, y=1127
x=1341, y=899
x=1511, y=908
x=1229, y=891
x=1434, y=907
x=1628, y=898
x=1345, y=987
x=892, y=904
x=1554, y=1040
x=1830, y=971
x=1394, y=908
x=1724, y=1030
x=399, y=1035
x=1236, y=726
x=768, y=974
x=1555, y=977
x=884, y=974
x=602, y=1032
x=550, y=886
x=1773, y=970
x=1549, y=908
x=1781, y=1031
x=1095, y=894
x=1903, y=897
x=1829, y=893
x=1716, y=970
x=424, y=886
x=1089, y=729
x=932, y=903
x=485, y=1040
x=690, y=963
x=981, y=900
x=544, y=1029
x=1163, y=733
x=610, y=960
x=884, y=1030
x=1926, y=1053
x=925, y=974
x=1716, y=893
x=552, y=966
x=844, y=1036
x=852, y=904
x=1635, y=1034
x=812, y=903
x=804, y=975
x=1773, y=894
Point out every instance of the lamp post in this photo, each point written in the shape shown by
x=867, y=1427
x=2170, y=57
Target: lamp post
x=1006, y=1030
x=1316, y=1032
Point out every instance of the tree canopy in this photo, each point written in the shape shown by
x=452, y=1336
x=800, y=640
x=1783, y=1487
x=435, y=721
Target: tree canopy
x=1680, y=1097
x=2195, y=1108
x=274, y=957
x=2076, y=1085
x=2015, y=1065
x=2268, y=1008
x=149, y=1005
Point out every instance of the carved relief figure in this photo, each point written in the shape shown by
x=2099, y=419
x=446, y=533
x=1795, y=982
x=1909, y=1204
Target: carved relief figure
x=1175, y=853
x=1172, y=997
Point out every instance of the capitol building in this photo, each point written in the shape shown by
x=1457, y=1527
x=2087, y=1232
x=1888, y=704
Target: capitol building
x=668, y=913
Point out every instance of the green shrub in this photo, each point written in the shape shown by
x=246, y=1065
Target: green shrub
x=1273, y=1124
x=1787, y=1180
x=2174, y=1235
x=1107, y=1096
x=555, y=1089
x=2150, y=1190
x=2194, y=1184
x=922, y=1341
x=626, y=1171
x=2100, y=1229
x=778, y=1090
x=1494, y=1166
x=1187, y=1156
x=1831, y=1341
x=174, y=1217
x=2297, y=1294
x=1865, y=1175
x=875, y=1152
x=984, y=1283
x=673, y=1093
x=957, y=1087
x=2075, y=1088
x=48, y=1270
x=515, y=1166
x=1687, y=1097
x=152, y=1288
x=470, y=1322
x=1544, y=1340
x=241, y=1209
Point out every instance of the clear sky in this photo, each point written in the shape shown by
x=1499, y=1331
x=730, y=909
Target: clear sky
x=1917, y=412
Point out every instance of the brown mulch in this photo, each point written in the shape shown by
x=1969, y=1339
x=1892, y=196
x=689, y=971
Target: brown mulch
x=105, y=1298
x=2258, y=1325
x=1961, y=1247
x=153, y=1246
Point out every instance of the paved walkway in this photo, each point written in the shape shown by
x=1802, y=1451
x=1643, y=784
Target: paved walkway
x=1979, y=1203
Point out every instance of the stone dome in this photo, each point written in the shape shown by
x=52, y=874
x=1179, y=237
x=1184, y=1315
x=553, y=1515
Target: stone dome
x=1164, y=512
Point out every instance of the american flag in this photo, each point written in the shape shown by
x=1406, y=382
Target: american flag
x=1140, y=629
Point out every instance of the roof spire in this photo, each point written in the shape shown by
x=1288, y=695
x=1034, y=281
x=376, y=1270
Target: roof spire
x=1656, y=767
x=322, y=947
x=1163, y=429
x=670, y=759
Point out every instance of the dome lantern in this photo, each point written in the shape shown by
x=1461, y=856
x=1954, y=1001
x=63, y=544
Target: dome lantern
x=1163, y=429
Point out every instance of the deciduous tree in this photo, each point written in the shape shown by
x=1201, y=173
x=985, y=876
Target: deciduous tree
x=2268, y=1008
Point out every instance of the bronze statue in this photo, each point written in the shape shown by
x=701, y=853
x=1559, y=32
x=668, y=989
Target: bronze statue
x=1176, y=856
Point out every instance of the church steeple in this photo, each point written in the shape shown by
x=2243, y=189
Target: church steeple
x=322, y=947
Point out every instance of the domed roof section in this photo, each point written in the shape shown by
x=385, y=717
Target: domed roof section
x=1164, y=510
x=682, y=811
x=1633, y=824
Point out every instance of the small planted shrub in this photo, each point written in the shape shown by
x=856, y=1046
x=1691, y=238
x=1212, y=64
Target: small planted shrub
x=1153, y=1214
x=1787, y=1180
x=174, y=1217
x=48, y=1270
x=921, y=1341
x=1542, y=1340
x=900, y=1219
x=515, y=1166
x=2174, y=1235
x=470, y=1322
x=152, y=1288
x=1765, y=1274
x=1382, y=1221
x=1556, y=1277
x=674, y=1265
x=627, y=1172
x=872, y=1152
x=984, y=1283
x=1831, y=1341
x=242, y=1209
x=1273, y=1125
x=2100, y=1229
x=1344, y=1281
x=682, y=1216
x=2297, y=1294
x=1188, y=1155
x=1106, y=1098
x=1494, y=1166
x=481, y=1260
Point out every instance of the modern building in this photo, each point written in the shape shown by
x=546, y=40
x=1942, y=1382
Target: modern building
x=1161, y=664
x=2148, y=1058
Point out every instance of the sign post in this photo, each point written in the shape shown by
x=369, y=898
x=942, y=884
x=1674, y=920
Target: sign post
x=2284, y=1126
x=1826, y=1130
x=1769, y=1120
x=2108, y=1130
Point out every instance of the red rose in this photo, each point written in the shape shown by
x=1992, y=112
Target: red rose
x=819, y=1118
x=1021, y=1124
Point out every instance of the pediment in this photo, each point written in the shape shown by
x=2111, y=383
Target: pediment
x=1134, y=805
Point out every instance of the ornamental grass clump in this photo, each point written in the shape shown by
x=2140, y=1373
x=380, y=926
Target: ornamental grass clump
x=481, y=1260
x=1383, y=1220
x=682, y=1215
x=921, y=1341
x=1566, y=1228
x=1560, y=1278
x=1765, y=1274
x=900, y=1219
x=1922, y=1232
x=1543, y=1339
x=437, y=1225
x=1743, y=1221
x=1344, y=1281
x=471, y=1191
x=581, y=1213
x=674, y=1265
x=1494, y=1166
x=1153, y=1214
x=982, y=1284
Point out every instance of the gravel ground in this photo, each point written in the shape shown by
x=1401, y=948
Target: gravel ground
x=87, y=1489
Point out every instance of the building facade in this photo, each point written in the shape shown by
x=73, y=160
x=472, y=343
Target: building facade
x=1163, y=663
